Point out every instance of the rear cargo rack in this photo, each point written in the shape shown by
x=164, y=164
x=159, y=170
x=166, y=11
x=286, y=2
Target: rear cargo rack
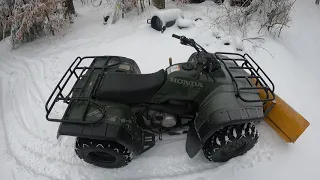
x=77, y=94
x=245, y=62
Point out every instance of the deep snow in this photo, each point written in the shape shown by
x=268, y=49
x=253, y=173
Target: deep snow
x=29, y=148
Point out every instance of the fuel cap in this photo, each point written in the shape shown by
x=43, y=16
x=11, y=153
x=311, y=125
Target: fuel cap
x=187, y=66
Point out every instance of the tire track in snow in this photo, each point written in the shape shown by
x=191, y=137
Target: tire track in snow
x=8, y=152
x=5, y=147
x=38, y=77
x=17, y=142
x=19, y=111
x=39, y=64
x=23, y=158
x=25, y=73
x=36, y=143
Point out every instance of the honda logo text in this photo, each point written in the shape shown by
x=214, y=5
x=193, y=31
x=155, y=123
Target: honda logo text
x=186, y=83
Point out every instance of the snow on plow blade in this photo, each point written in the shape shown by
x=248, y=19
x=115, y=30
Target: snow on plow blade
x=286, y=121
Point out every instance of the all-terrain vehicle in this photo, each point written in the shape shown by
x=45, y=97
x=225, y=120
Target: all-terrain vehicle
x=116, y=112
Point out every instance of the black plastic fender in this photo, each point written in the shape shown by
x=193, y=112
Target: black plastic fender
x=196, y=137
x=221, y=108
x=116, y=64
x=119, y=125
x=227, y=117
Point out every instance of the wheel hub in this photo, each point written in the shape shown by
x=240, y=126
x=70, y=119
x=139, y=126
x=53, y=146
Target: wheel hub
x=234, y=148
x=101, y=157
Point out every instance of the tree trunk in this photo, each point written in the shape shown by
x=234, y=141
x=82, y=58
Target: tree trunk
x=160, y=4
x=70, y=7
x=49, y=23
x=1, y=35
x=142, y=5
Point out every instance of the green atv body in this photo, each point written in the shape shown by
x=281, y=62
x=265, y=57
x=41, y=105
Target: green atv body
x=116, y=112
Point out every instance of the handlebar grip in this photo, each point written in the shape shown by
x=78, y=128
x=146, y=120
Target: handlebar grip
x=176, y=36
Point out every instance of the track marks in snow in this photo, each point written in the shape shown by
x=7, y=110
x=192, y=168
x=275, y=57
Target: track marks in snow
x=30, y=149
x=7, y=152
x=4, y=148
x=262, y=151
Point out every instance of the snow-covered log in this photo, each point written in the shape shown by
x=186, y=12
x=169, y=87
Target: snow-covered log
x=167, y=15
x=184, y=23
x=165, y=18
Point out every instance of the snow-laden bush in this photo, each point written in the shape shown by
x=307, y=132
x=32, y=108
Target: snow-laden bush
x=270, y=15
x=6, y=7
x=31, y=19
x=119, y=8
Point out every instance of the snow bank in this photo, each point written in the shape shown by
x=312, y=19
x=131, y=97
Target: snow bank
x=184, y=23
x=237, y=42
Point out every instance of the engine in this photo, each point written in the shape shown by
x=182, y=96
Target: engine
x=167, y=117
x=162, y=119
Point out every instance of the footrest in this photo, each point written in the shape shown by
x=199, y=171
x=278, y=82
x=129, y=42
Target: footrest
x=149, y=141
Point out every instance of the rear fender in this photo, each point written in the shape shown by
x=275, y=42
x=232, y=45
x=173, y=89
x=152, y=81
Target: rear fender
x=119, y=125
x=116, y=64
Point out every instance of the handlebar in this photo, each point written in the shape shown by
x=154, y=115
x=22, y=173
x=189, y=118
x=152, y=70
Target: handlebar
x=176, y=36
x=189, y=42
x=201, y=66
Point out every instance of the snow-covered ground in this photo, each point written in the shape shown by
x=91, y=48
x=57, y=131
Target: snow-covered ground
x=28, y=145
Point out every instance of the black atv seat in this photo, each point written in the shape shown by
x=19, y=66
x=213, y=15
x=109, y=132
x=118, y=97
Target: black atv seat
x=129, y=88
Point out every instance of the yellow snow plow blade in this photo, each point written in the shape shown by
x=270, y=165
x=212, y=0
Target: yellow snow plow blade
x=287, y=122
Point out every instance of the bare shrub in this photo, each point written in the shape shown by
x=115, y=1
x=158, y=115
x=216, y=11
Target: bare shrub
x=269, y=15
x=277, y=15
x=31, y=19
x=126, y=8
x=6, y=8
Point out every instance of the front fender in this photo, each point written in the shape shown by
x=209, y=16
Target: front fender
x=227, y=117
x=221, y=108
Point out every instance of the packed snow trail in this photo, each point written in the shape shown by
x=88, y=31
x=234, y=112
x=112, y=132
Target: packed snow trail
x=28, y=74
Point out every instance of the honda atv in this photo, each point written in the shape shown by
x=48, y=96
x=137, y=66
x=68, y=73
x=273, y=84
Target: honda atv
x=116, y=113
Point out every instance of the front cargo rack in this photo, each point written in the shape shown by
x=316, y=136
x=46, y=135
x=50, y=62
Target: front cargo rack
x=254, y=77
x=79, y=92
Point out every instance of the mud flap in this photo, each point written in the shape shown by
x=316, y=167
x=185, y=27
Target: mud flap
x=193, y=144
